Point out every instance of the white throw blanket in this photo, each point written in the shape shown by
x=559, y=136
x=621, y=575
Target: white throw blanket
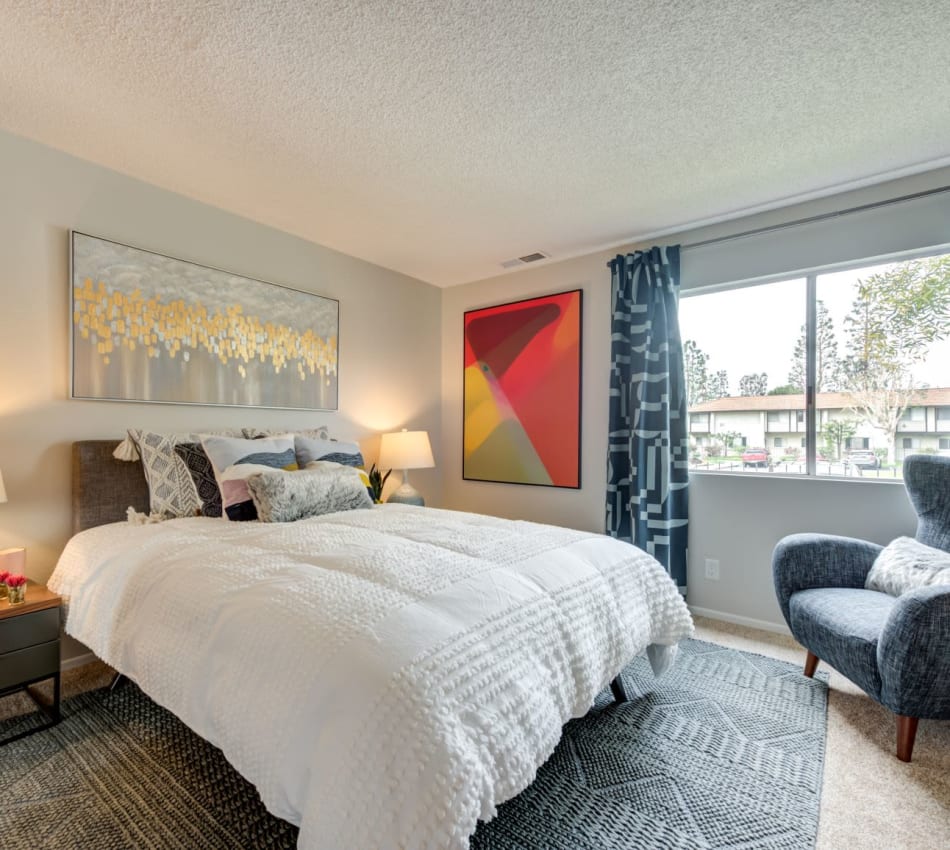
x=384, y=677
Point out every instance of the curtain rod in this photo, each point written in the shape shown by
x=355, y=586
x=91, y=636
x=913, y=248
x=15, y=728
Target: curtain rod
x=757, y=231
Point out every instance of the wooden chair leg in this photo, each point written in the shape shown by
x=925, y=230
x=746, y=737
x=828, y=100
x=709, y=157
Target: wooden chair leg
x=906, y=733
x=811, y=663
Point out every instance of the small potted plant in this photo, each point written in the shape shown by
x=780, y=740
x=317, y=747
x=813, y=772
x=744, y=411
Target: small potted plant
x=16, y=589
x=376, y=482
x=4, y=575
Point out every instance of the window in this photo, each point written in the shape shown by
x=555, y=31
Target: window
x=699, y=424
x=733, y=379
x=877, y=354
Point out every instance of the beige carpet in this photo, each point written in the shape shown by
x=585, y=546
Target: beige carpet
x=870, y=799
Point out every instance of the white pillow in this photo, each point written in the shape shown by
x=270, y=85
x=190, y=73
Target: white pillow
x=235, y=460
x=281, y=496
x=905, y=564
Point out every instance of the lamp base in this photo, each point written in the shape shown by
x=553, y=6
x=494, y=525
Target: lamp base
x=12, y=560
x=406, y=494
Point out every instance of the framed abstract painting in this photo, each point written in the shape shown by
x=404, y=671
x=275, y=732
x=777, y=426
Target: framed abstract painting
x=522, y=392
x=146, y=327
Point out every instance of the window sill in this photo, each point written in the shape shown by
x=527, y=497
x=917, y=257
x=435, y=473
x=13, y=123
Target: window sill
x=789, y=476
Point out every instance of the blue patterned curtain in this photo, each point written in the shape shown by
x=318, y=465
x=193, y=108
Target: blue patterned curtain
x=648, y=443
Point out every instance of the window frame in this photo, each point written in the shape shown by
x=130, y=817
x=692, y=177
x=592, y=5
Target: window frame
x=810, y=275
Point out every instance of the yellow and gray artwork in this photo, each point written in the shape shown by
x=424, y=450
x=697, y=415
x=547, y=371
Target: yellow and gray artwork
x=151, y=328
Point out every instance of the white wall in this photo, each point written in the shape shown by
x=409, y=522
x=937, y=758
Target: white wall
x=389, y=331
x=735, y=519
x=390, y=365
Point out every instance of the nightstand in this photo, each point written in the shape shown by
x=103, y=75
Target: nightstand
x=29, y=649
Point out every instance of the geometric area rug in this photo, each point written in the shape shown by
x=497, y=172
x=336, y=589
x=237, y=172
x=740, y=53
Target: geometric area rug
x=724, y=751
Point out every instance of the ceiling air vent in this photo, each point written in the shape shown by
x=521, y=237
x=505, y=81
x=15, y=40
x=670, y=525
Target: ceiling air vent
x=522, y=261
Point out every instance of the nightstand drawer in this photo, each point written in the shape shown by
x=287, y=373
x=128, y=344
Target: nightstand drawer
x=29, y=629
x=28, y=664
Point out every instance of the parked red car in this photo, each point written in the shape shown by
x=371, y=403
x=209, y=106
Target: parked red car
x=755, y=457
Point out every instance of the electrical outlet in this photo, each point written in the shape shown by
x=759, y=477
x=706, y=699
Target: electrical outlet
x=712, y=569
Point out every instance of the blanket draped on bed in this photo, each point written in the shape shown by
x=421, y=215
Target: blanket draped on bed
x=385, y=677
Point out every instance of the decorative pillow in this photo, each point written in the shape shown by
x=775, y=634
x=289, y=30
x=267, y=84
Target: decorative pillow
x=202, y=475
x=336, y=451
x=906, y=564
x=329, y=464
x=128, y=451
x=235, y=460
x=171, y=489
x=320, y=433
x=289, y=496
x=171, y=492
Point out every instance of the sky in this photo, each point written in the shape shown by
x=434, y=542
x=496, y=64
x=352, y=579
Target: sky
x=754, y=329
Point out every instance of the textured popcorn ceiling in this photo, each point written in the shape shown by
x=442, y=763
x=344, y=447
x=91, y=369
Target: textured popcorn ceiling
x=442, y=138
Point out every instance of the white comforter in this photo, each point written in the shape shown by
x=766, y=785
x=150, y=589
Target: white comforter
x=384, y=677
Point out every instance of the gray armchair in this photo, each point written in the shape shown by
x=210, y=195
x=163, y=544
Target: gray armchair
x=897, y=649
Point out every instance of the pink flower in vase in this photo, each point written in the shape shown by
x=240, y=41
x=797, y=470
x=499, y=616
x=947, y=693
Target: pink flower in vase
x=4, y=575
x=14, y=581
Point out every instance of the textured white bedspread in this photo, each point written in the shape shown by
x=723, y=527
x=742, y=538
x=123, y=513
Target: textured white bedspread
x=384, y=677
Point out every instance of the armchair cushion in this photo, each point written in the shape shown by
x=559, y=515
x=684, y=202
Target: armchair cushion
x=806, y=561
x=842, y=627
x=906, y=564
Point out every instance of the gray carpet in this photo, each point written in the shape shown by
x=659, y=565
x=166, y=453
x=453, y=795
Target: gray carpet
x=726, y=751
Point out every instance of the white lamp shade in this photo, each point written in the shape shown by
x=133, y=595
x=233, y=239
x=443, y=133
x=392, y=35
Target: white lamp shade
x=3, y=492
x=405, y=450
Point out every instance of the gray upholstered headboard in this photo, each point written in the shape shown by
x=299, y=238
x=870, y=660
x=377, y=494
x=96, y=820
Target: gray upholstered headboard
x=103, y=487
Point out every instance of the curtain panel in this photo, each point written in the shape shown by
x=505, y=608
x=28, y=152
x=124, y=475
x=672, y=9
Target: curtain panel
x=648, y=441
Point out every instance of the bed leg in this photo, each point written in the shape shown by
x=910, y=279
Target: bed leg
x=617, y=689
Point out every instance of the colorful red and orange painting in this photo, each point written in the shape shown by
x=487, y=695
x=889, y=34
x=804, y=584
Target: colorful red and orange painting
x=523, y=392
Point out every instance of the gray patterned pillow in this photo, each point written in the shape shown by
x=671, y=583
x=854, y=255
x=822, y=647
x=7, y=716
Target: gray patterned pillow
x=288, y=496
x=171, y=492
x=336, y=451
x=906, y=564
x=202, y=474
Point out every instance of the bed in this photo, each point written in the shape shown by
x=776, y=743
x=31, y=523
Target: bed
x=384, y=677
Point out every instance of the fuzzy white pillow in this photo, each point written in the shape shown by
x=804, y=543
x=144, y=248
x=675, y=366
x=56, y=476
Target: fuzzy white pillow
x=906, y=564
x=281, y=496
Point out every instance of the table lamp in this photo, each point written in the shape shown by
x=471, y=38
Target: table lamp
x=406, y=450
x=11, y=560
